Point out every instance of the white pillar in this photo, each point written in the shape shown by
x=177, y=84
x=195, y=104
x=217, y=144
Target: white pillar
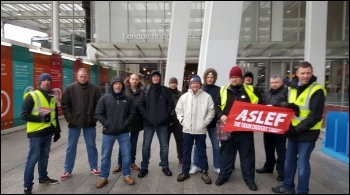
x=315, y=37
x=178, y=42
x=55, y=46
x=277, y=21
x=221, y=28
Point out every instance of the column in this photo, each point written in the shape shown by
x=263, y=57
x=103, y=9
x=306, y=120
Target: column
x=315, y=37
x=277, y=21
x=178, y=42
x=221, y=29
x=55, y=26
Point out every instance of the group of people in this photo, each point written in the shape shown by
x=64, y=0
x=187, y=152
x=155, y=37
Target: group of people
x=132, y=107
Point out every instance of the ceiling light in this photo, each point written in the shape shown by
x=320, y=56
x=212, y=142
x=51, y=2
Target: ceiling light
x=6, y=44
x=169, y=13
x=41, y=52
x=86, y=62
x=69, y=58
x=19, y=13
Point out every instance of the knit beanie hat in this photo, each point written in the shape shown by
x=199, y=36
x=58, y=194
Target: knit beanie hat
x=173, y=80
x=249, y=74
x=44, y=76
x=236, y=71
x=195, y=78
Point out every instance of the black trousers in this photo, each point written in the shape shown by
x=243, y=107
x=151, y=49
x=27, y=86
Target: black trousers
x=274, y=142
x=244, y=143
x=176, y=129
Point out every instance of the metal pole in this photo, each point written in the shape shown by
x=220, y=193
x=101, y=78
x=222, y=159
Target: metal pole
x=55, y=26
x=73, y=36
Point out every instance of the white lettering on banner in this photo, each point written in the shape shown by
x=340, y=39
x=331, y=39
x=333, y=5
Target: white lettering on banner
x=272, y=119
x=257, y=127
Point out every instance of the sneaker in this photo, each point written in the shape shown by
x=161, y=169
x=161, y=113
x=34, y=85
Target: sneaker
x=95, y=171
x=282, y=190
x=134, y=167
x=217, y=170
x=101, y=182
x=129, y=180
x=47, y=180
x=167, y=171
x=143, y=172
x=27, y=190
x=117, y=169
x=205, y=177
x=194, y=170
x=183, y=177
x=65, y=176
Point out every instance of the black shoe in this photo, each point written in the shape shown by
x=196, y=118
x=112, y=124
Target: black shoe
x=143, y=172
x=219, y=181
x=280, y=178
x=47, y=180
x=264, y=170
x=183, y=177
x=252, y=186
x=282, y=190
x=27, y=190
x=205, y=177
x=160, y=164
x=167, y=171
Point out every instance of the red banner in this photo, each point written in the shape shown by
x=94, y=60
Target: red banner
x=245, y=116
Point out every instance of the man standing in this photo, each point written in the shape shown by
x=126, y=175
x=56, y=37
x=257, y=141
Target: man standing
x=133, y=88
x=79, y=102
x=155, y=105
x=195, y=110
x=309, y=97
x=243, y=141
x=39, y=109
x=115, y=112
x=277, y=96
x=209, y=77
x=174, y=125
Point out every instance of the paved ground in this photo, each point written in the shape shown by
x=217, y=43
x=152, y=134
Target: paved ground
x=329, y=175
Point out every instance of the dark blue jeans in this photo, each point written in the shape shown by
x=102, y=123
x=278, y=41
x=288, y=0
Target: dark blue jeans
x=298, y=156
x=134, y=136
x=39, y=149
x=162, y=134
x=199, y=140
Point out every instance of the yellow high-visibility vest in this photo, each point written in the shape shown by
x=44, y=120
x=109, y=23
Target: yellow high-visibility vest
x=248, y=88
x=303, y=101
x=41, y=106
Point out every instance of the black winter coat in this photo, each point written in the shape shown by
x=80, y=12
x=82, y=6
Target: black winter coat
x=156, y=106
x=137, y=122
x=115, y=111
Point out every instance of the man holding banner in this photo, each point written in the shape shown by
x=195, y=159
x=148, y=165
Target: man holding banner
x=242, y=140
x=309, y=96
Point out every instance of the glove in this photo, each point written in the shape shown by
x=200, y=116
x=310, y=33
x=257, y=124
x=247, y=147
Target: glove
x=291, y=132
x=47, y=118
x=295, y=108
x=56, y=137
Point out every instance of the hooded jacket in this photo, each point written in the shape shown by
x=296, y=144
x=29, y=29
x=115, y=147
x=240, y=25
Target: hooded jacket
x=137, y=122
x=213, y=90
x=156, y=103
x=115, y=111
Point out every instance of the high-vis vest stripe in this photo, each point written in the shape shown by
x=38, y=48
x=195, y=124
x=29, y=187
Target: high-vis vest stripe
x=41, y=106
x=303, y=101
x=248, y=88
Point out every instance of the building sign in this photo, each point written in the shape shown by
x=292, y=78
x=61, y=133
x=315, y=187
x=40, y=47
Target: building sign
x=139, y=36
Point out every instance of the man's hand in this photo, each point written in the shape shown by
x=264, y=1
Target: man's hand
x=295, y=108
x=56, y=137
x=292, y=131
x=223, y=118
x=47, y=118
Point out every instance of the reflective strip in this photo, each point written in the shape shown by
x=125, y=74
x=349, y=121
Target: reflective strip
x=306, y=105
x=248, y=89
